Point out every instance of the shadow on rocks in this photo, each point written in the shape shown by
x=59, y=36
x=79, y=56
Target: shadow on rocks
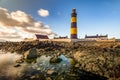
x=85, y=75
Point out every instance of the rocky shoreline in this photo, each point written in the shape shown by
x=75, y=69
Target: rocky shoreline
x=47, y=47
x=98, y=58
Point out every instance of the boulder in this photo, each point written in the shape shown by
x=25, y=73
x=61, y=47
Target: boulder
x=30, y=54
x=55, y=60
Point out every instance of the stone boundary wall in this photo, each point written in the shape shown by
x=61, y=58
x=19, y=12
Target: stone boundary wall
x=73, y=40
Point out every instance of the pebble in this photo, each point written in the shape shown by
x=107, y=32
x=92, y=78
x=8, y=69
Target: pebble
x=50, y=71
x=17, y=65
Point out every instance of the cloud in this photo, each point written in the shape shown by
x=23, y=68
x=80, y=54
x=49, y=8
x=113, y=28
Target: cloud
x=17, y=18
x=10, y=34
x=43, y=12
x=19, y=25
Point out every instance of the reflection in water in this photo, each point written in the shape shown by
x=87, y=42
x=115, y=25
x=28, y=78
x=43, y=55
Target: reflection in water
x=8, y=61
x=43, y=66
x=43, y=63
x=7, y=69
x=39, y=65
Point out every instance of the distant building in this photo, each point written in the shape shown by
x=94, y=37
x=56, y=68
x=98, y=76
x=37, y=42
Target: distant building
x=39, y=36
x=97, y=37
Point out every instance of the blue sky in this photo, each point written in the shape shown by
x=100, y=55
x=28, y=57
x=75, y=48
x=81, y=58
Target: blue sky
x=94, y=16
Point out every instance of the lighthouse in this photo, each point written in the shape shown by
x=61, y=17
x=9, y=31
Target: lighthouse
x=73, y=30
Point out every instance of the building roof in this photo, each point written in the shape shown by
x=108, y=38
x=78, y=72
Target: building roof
x=39, y=36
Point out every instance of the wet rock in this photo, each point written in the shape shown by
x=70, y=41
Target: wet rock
x=53, y=68
x=38, y=68
x=55, y=60
x=72, y=75
x=17, y=65
x=4, y=78
x=31, y=60
x=21, y=60
x=51, y=71
x=32, y=74
x=48, y=78
x=32, y=77
x=58, y=54
x=30, y=54
x=77, y=65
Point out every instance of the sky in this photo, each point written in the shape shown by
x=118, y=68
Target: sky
x=21, y=19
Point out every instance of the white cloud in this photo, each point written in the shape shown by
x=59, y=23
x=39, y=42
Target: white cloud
x=19, y=25
x=43, y=12
x=21, y=17
x=17, y=18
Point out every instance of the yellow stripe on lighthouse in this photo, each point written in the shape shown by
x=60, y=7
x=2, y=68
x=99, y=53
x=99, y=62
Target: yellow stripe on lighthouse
x=73, y=31
x=73, y=19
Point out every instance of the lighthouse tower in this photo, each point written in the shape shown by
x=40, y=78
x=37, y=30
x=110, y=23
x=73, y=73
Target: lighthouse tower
x=73, y=30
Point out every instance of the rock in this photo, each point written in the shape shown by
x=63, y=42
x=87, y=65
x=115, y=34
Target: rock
x=77, y=65
x=55, y=60
x=20, y=60
x=32, y=74
x=58, y=54
x=17, y=65
x=32, y=77
x=50, y=72
x=48, y=78
x=38, y=68
x=4, y=78
x=31, y=60
x=53, y=68
x=72, y=75
x=30, y=54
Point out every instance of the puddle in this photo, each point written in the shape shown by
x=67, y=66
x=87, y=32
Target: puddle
x=40, y=65
x=44, y=64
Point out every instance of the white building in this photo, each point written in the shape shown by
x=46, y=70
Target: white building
x=96, y=37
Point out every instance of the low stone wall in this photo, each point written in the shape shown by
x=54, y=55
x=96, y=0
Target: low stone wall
x=57, y=40
x=76, y=40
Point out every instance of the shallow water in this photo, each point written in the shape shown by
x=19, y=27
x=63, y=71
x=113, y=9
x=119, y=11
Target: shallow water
x=40, y=65
x=43, y=63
